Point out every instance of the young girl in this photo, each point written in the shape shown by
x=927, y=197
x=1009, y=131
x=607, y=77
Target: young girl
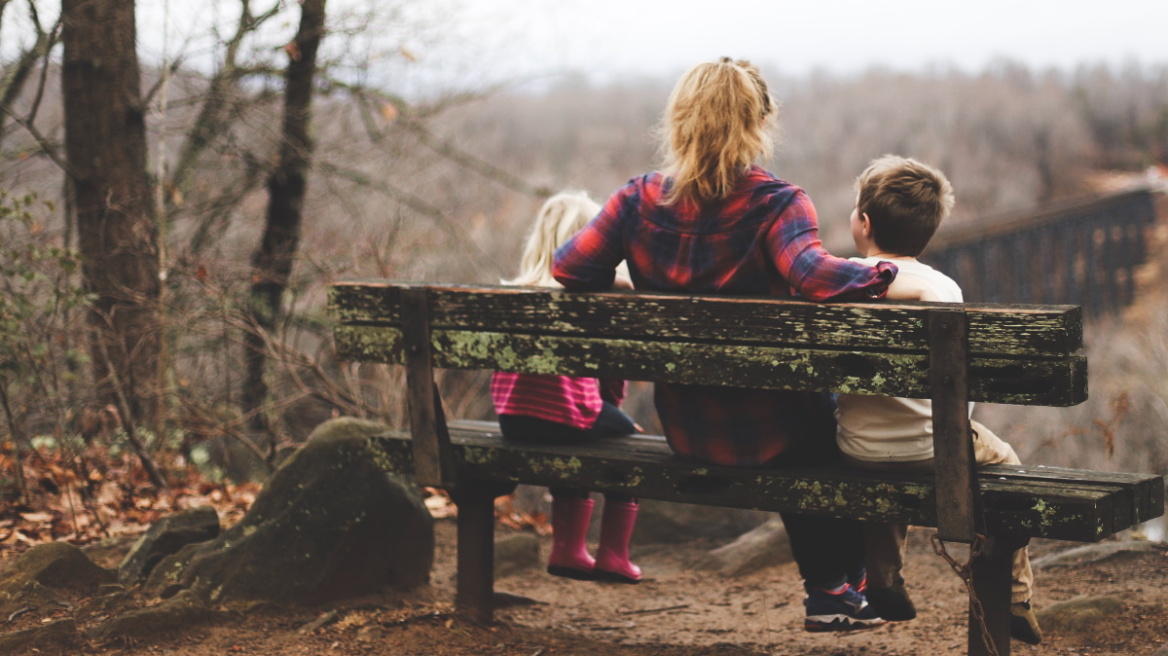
x=714, y=222
x=563, y=409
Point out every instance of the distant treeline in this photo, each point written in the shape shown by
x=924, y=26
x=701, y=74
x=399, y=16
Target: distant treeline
x=1008, y=137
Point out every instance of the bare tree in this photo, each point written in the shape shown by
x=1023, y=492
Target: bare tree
x=287, y=183
x=105, y=143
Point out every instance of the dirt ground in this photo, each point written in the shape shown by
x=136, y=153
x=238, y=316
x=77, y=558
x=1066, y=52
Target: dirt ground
x=676, y=611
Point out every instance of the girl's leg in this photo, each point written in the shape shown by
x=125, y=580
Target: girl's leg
x=571, y=514
x=620, y=510
x=612, y=421
x=616, y=531
x=521, y=428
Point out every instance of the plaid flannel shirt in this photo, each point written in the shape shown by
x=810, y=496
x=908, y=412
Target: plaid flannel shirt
x=762, y=239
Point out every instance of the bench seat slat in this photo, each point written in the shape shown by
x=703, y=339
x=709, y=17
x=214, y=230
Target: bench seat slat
x=1147, y=491
x=1049, y=382
x=994, y=329
x=1074, y=509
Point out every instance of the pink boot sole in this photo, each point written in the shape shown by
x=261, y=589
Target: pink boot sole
x=572, y=573
x=633, y=575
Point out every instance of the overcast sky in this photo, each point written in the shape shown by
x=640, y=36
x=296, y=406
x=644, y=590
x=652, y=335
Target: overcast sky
x=607, y=37
x=491, y=40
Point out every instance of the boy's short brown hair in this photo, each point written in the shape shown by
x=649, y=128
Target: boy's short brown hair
x=905, y=201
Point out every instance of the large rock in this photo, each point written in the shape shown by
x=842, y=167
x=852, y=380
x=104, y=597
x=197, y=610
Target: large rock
x=165, y=537
x=330, y=524
x=53, y=635
x=181, y=612
x=515, y=553
x=664, y=522
x=764, y=546
x=1078, y=614
x=36, y=577
x=1094, y=553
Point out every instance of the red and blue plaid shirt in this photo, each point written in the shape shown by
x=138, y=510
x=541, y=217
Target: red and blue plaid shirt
x=762, y=239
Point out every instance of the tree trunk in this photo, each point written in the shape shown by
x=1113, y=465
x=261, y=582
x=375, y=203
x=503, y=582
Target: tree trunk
x=105, y=141
x=273, y=260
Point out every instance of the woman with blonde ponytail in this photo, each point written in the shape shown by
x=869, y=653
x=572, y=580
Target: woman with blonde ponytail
x=713, y=221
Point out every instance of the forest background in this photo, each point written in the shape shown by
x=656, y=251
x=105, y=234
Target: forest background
x=433, y=182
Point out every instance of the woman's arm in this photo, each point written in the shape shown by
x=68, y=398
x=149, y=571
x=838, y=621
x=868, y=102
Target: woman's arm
x=813, y=273
x=588, y=261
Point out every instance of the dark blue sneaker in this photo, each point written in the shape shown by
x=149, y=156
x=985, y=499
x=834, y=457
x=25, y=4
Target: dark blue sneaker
x=861, y=584
x=846, y=610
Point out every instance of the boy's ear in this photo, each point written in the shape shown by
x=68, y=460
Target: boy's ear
x=866, y=224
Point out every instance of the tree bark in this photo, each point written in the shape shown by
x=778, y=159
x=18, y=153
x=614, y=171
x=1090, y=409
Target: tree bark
x=105, y=143
x=287, y=184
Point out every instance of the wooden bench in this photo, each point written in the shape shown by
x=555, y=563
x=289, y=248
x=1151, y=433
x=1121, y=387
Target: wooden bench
x=1028, y=355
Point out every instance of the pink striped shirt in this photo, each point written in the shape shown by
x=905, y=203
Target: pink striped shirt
x=574, y=402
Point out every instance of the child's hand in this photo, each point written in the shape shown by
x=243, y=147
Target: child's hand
x=621, y=282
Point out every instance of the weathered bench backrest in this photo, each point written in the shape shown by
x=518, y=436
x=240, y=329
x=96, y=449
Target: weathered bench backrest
x=1027, y=355
x=949, y=353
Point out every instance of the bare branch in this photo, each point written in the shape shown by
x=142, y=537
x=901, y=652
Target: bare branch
x=411, y=119
x=448, y=150
x=203, y=414
x=158, y=84
x=128, y=424
x=12, y=86
x=46, y=146
x=17, y=435
x=215, y=108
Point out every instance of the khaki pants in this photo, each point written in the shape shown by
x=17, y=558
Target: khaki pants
x=886, y=542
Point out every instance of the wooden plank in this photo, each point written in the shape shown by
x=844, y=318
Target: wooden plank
x=1071, y=511
x=1052, y=382
x=1002, y=330
x=958, y=504
x=1009, y=492
x=1147, y=490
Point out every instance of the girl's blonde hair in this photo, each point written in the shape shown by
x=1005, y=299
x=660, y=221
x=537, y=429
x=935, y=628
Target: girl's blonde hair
x=715, y=127
x=560, y=217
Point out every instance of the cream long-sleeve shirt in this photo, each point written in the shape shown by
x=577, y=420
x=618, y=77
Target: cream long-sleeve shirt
x=892, y=429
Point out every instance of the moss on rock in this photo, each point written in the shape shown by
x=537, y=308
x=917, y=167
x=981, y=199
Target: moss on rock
x=330, y=524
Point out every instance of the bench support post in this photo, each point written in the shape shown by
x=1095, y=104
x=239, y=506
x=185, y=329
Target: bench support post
x=991, y=572
x=958, y=507
x=433, y=462
x=476, y=548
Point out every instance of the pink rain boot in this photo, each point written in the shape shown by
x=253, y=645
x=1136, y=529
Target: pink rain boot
x=569, y=557
x=616, y=529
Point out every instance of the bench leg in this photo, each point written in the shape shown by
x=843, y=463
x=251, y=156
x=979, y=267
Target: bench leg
x=476, y=555
x=991, y=571
x=476, y=548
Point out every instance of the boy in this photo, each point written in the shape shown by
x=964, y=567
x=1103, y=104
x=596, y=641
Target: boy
x=899, y=204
